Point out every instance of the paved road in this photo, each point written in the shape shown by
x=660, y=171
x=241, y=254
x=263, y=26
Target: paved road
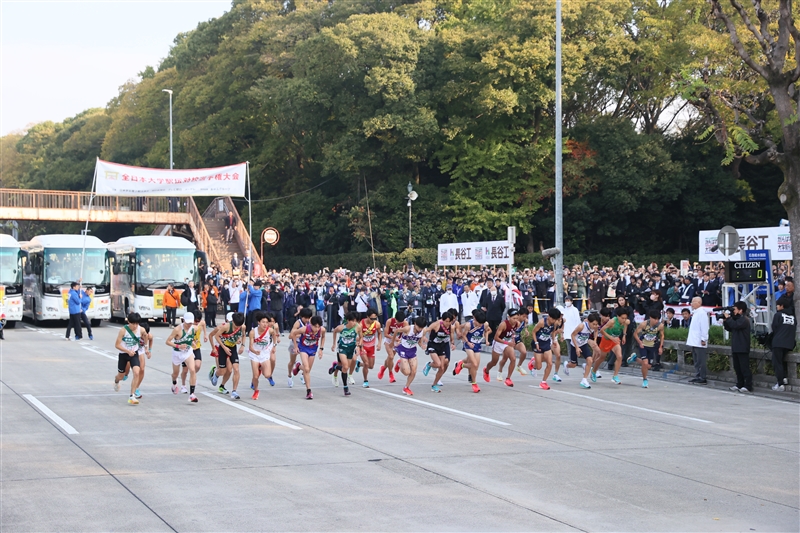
x=613, y=458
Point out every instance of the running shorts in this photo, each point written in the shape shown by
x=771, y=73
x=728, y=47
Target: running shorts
x=406, y=353
x=123, y=361
x=544, y=346
x=222, y=357
x=474, y=347
x=649, y=353
x=441, y=349
x=606, y=345
x=179, y=356
x=197, y=356
x=310, y=351
x=258, y=358
x=585, y=352
x=369, y=351
x=498, y=347
x=347, y=353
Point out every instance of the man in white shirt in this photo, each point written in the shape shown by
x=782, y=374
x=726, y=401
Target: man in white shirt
x=448, y=301
x=698, y=340
x=470, y=301
x=234, y=290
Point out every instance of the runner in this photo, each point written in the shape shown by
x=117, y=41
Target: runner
x=474, y=333
x=605, y=316
x=518, y=346
x=199, y=331
x=406, y=347
x=371, y=330
x=581, y=342
x=648, y=333
x=128, y=341
x=611, y=340
x=311, y=339
x=231, y=345
x=558, y=333
x=399, y=321
x=441, y=336
x=503, y=346
x=145, y=347
x=349, y=341
x=542, y=344
x=180, y=340
x=263, y=339
x=304, y=317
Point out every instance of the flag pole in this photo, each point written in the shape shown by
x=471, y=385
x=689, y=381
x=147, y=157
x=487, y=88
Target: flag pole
x=88, y=216
x=250, y=217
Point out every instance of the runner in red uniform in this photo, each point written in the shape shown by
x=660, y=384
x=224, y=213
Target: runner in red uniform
x=392, y=325
x=372, y=337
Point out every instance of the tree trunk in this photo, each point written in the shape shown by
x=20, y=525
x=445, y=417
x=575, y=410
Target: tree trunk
x=789, y=196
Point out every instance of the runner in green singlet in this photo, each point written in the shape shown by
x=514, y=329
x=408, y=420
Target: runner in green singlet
x=350, y=339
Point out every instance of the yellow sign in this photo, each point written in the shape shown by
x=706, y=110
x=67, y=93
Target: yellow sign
x=65, y=299
x=2, y=292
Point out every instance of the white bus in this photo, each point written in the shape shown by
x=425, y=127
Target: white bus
x=10, y=280
x=143, y=266
x=52, y=263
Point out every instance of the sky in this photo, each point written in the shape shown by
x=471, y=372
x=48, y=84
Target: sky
x=58, y=58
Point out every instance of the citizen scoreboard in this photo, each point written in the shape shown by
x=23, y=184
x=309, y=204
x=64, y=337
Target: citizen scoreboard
x=747, y=272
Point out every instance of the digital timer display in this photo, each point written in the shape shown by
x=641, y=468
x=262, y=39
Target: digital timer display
x=748, y=272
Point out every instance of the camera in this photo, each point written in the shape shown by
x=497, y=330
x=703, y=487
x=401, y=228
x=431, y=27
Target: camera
x=719, y=312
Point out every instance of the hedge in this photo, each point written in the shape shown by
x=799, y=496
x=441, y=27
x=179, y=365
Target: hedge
x=426, y=258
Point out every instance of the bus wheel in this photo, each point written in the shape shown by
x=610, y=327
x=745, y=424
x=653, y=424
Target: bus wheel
x=11, y=324
x=95, y=322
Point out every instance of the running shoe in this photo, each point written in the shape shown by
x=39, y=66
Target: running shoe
x=358, y=366
x=734, y=389
x=499, y=376
x=440, y=383
x=235, y=395
x=350, y=380
x=125, y=377
x=522, y=371
x=365, y=384
x=214, y=379
x=566, y=368
x=346, y=392
x=271, y=382
x=296, y=369
x=434, y=388
x=593, y=376
x=116, y=385
x=486, y=377
x=91, y=337
x=583, y=366
x=616, y=380
x=778, y=387
x=133, y=401
x=335, y=380
x=598, y=374
x=534, y=373
x=397, y=367
x=632, y=358
x=309, y=396
x=192, y=398
x=222, y=389
x=457, y=369
x=137, y=394
x=475, y=388
x=184, y=390
x=175, y=389
x=544, y=385
x=252, y=387
x=391, y=378
x=302, y=379
x=556, y=378
x=290, y=382
x=585, y=384
x=644, y=383
x=530, y=365
x=427, y=369
x=255, y=395
x=332, y=369
x=508, y=382
x=211, y=375
x=407, y=391
x=381, y=371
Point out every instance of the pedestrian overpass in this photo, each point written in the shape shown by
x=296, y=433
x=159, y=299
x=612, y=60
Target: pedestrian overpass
x=178, y=215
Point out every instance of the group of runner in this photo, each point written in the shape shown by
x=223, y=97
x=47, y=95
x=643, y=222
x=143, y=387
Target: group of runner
x=356, y=342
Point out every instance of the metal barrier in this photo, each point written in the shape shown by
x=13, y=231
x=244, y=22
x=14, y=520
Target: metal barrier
x=45, y=199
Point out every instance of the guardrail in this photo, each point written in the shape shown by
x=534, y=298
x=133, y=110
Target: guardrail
x=45, y=199
x=241, y=234
x=200, y=232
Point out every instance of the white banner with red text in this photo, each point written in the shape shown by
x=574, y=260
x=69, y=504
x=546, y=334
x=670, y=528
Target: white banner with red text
x=476, y=253
x=123, y=180
x=776, y=240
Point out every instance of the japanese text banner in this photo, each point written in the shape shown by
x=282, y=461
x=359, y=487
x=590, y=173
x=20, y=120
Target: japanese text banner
x=777, y=240
x=123, y=180
x=476, y=253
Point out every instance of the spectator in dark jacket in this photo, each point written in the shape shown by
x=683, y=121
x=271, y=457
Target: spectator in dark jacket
x=784, y=330
x=739, y=327
x=276, y=305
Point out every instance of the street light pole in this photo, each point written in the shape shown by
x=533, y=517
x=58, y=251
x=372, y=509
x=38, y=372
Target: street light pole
x=170, y=125
x=559, y=259
x=412, y=195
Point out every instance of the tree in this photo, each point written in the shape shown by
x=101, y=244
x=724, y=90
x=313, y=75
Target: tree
x=751, y=104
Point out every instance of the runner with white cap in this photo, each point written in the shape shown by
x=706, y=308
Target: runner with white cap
x=180, y=340
x=199, y=332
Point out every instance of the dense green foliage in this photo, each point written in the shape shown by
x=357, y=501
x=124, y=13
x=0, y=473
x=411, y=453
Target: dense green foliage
x=338, y=105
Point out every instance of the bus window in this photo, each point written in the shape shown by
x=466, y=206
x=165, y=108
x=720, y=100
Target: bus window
x=63, y=265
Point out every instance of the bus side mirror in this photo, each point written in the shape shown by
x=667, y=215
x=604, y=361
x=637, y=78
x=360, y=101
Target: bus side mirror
x=115, y=269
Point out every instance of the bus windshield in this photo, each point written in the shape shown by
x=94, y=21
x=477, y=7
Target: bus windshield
x=158, y=267
x=10, y=274
x=63, y=265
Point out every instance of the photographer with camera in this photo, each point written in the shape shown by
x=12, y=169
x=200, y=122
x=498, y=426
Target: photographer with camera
x=738, y=324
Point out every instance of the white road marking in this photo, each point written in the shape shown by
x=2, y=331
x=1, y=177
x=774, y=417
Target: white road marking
x=631, y=406
x=443, y=408
x=100, y=394
x=98, y=352
x=251, y=411
x=112, y=327
x=50, y=414
x=30, y=328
